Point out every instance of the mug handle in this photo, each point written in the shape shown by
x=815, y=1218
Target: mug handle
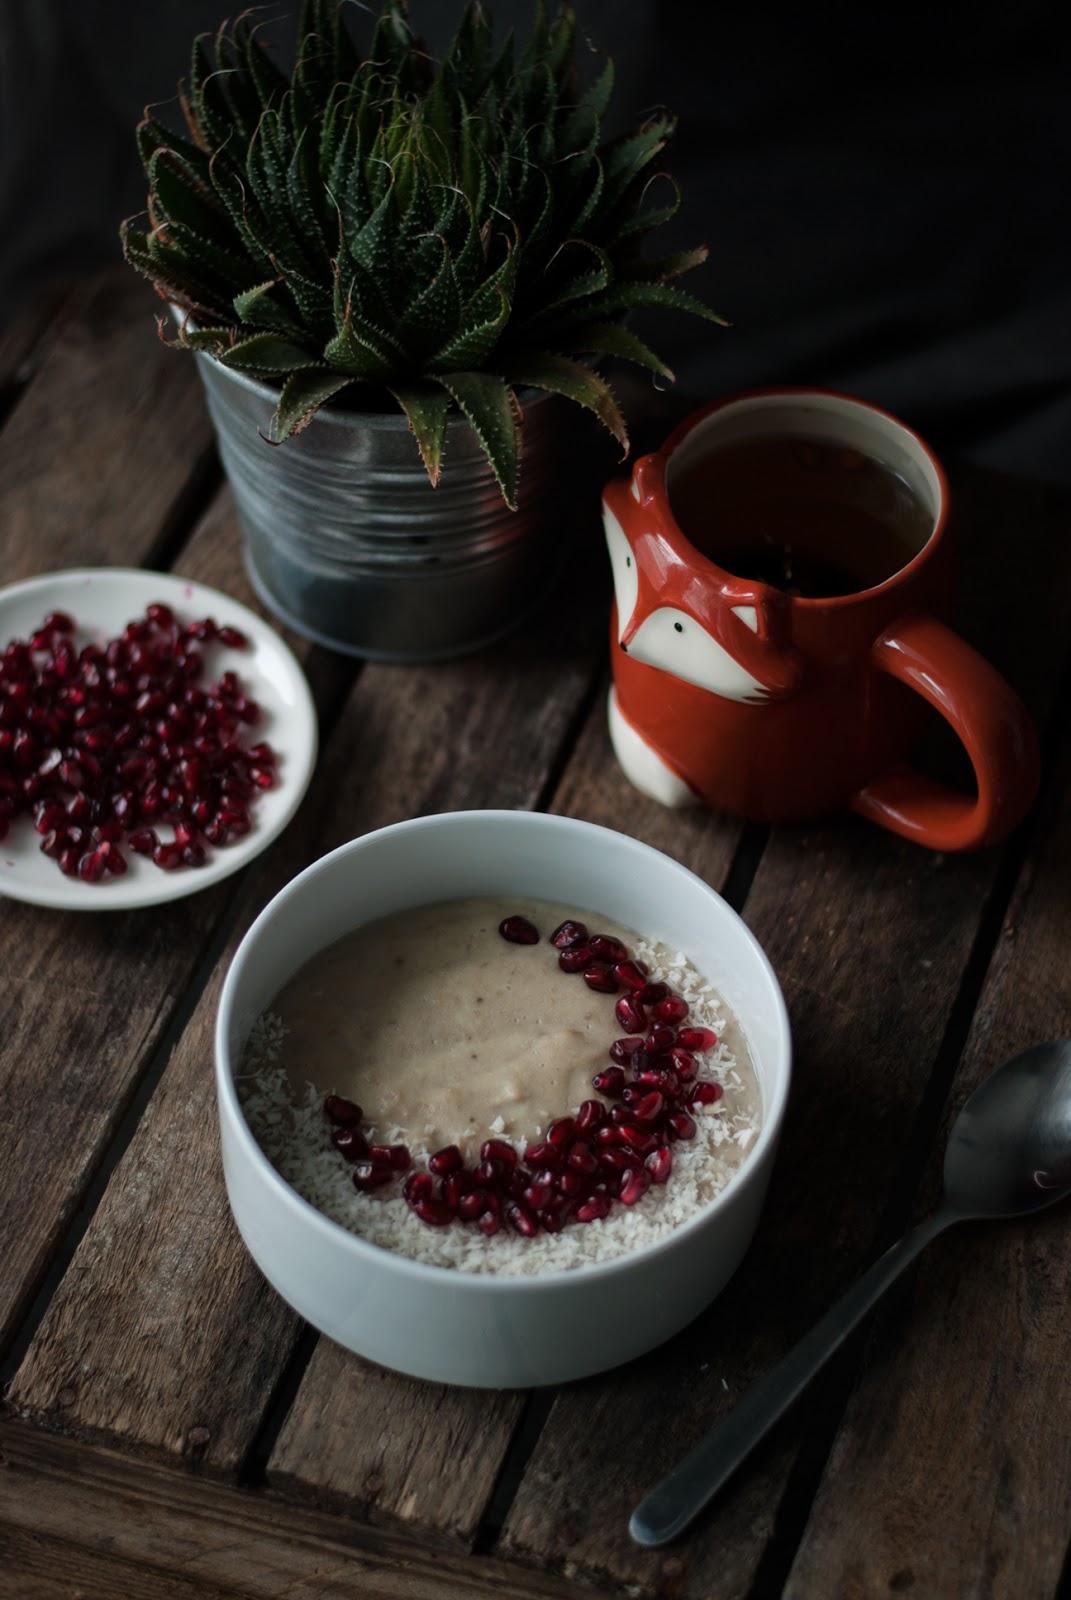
x=986, y=715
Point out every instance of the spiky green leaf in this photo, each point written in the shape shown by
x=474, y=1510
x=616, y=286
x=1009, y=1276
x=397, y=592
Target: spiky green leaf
x=612, y=339
x=362, y=352
x=304, y=392
x=485, y=400
x=267, y=354
x=573, y=381
x=427, y=409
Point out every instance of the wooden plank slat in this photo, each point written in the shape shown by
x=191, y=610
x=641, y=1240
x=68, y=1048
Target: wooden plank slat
x=104, y=442
x=25, y=340
x=952, y=1472
x=175, y=1524
x=420, y=1454
x=183, y=1340
x=36, y=1568
x=871, y=939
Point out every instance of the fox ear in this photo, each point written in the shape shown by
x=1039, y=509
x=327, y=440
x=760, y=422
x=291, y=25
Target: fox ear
x=648, y=472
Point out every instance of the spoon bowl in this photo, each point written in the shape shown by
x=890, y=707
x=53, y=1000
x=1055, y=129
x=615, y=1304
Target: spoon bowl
x=1008, y=1154
x=1009, y=1151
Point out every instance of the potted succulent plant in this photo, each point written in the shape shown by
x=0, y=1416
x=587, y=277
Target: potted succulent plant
x=395, y=272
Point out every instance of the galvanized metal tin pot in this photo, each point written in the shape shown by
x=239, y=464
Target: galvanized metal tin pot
x=347, y=542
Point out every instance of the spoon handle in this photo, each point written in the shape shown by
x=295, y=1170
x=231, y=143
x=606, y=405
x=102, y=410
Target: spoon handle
x=683, y=1493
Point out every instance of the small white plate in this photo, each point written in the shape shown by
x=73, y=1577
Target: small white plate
x=102, y=600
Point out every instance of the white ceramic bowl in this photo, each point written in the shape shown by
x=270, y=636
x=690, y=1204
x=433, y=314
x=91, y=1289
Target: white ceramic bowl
x=475, y=1328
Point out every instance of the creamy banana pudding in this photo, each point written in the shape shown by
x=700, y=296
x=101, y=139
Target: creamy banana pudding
x=521, y=1082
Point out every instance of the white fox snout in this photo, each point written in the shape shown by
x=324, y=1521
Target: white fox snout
x=674, y=642
x=669, y=638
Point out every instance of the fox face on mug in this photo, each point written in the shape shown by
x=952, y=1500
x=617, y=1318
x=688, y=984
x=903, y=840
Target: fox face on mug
x=782, y=580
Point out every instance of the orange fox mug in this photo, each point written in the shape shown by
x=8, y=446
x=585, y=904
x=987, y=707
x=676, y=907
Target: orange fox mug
x=782, y=581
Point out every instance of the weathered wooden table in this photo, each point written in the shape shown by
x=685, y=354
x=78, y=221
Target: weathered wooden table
x=172, y=1430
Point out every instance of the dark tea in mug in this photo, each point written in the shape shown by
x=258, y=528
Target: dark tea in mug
x=811, y=517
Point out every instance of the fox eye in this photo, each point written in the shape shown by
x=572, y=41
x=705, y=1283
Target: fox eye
x=679, y=626
x=628, y=561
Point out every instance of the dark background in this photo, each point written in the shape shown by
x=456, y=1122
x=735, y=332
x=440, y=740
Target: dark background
x=884, y=190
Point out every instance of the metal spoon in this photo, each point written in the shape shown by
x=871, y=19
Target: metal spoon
x=1009, y=1153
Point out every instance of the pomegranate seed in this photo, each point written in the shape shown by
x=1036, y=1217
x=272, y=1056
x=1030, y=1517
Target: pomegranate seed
x=652, y=993
x=649, y=1109
x=600, y=977
x=489, y=1224
x=582, y=1158
x=595, y=1209
x=553, y=1214
x=659, y=1078
x=574, y=958
x=341, y=1110
x=448, y=1159
x=607, y=1134
x=58, y=622
x=418, y=1186
x=117, y=863
x=49, y=818
x=393, y=1156
x=436, y=1213
x=167, y=856
x=492, y=1174
x=543, y=1154
x=706, y=1094
x=161, y=614
x=69, y=860
x=604, y=947
x=659, y=1164
x=631, y=975
x=630, y=1014
x=663, y=1036
x=521, y=1219
x=471, y=1205
x=143, y=840
x=518, y=930
x=698, y=1039
x=92, y=865
x=498, y=1150
x=634, y=1185
x=684, y=1063
x=639, y=1140
x=561, y=1132
x=618, y=1161
x=455, y=1187
x=628, y=1052
x=369, y=1175
x=681, y=1125
x=572, y=1183
x=538, y=1192
x=233, y=638
x=569, y=933
x=590, y=1115
x=350, y=1142
x=672, y=1009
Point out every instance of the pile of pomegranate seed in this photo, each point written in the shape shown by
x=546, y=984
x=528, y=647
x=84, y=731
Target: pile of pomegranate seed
x=613, y=1148
x=100, y=745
